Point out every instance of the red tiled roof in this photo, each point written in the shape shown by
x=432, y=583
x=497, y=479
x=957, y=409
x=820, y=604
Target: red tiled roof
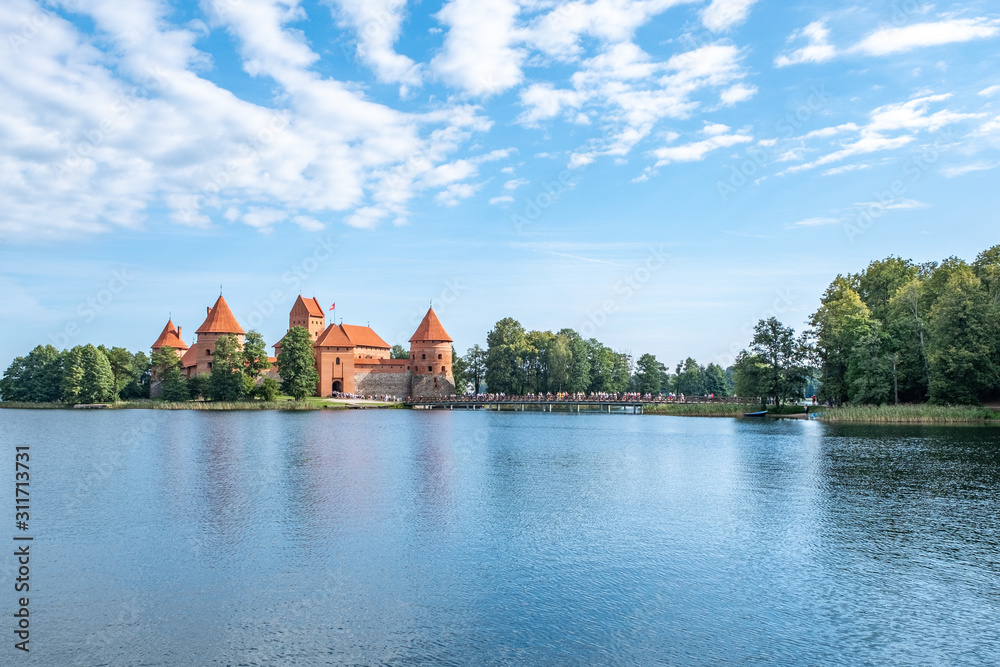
x=430, y=329
x=312, y=305
x=364, y=336
x=220, y=320
x=171, y=336
x=334, y=336
x=190, y=357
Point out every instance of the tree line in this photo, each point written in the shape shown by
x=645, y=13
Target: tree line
x=519, y=362
x=905, y=332
x=82, y=374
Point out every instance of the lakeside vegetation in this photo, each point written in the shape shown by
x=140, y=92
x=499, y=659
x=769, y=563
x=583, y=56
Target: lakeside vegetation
x=910, y=414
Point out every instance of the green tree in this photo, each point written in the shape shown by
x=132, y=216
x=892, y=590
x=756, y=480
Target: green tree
x=267, y=390
x=120, y=361
x=579, y=371
x=175, y=387
x=908, y=329
x=621, y=372
x=647, y=375
x=198, y=386
x=297, y=364
x=36, y=378
x=12, y=385
x=688, y=379
x=97, y=380
x=506, y=352
x=560, y=362
x=870, y=376
x=601, y=361
x=963, y=328
x=399, y=352
x=878, y=284
x=72, y=374
x=255, y=359
x=717, y=381
x=841, y=321
x=786, y=374
x=749, y=373
x=475, y=362
x=460, y=372
x=137, y=383
x=226, y=381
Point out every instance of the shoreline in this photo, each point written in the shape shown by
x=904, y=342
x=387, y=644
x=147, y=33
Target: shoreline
x=888, y=415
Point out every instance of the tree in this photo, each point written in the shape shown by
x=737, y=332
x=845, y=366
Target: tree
x=255, y=360
x=601, y=361
x=72, y=374
x=842, y=320
x=785, y=373
x=749, y=372
x=198, y=386
x=460, y=372
x=36, y=378
x=267, y=390
x=96, y=380
x=647, y=374
x=880, y=282
x=717, y=381
x=175, y=387
x=870, y=376
x=399, y=352
x=907, y=327
x=297, y=365
x=689, y=380
x=226, y=381
x=579, y=362
x=560, y=362
x=621, y=372
x=475, y=362
x=506, y=351
x=137, y=384
x=120, y=361
x=963, y=328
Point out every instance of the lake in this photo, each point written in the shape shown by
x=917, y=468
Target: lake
x=403, y=537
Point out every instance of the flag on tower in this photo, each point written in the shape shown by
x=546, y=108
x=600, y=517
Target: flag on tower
x=333, y=306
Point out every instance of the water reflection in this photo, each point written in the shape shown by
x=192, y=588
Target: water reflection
x=455, y=538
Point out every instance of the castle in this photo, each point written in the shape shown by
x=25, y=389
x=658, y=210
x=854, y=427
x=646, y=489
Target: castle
x=350, y=359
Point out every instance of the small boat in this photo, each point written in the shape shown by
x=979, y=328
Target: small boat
x=755, y=414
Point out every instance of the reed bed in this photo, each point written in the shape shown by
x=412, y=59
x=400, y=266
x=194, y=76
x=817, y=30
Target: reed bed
x=34, y=406
x=909, y=414
x=700, y=409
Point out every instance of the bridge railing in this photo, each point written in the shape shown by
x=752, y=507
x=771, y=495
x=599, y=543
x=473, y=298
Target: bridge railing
x=595, y=399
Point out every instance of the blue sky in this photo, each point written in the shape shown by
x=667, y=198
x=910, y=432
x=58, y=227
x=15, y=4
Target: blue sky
x=657, y=174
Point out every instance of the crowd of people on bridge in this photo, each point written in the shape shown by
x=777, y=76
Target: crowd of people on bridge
x=581, y=397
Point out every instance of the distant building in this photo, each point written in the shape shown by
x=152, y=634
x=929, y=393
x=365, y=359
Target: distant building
x=350, y=359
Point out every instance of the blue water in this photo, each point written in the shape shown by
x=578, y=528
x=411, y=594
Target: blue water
x=455, y=538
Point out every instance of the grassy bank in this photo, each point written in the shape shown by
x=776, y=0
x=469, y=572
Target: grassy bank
x=283, y=403
x=700, y=409
x=909, y=414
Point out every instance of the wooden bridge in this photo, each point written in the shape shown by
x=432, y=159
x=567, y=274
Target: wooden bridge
x=609, y=405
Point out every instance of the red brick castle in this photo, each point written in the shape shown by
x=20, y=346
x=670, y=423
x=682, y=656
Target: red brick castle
x=350, y=359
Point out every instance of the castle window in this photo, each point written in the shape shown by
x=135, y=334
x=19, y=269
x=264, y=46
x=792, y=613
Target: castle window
x=442, y=369
x=208, y=352
x=210, y=365
x=439, y=356
x=430, y=368
x=423, y=356
x=338, y=361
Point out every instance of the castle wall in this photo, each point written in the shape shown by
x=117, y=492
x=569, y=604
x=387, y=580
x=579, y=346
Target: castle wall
x=431, y=386
x=377, y=383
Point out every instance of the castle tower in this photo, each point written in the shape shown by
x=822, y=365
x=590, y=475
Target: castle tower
x=219, y=322
x=430, y=359
x=169, y=337
x=309, y=314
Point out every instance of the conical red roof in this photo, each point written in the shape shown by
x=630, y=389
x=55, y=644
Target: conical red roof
x=430, y=329
x=312, y=306
x=171, y=336
x=220, y=320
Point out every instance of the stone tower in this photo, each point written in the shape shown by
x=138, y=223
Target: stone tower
x=430, y=359
x=309, y=314
x=169, y=337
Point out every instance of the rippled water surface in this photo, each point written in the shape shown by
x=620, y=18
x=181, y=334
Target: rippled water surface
x=412, y=537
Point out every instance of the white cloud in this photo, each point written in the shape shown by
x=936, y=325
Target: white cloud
x=818, y=49
x=990, y=92
x=886, y=41
x=846, y=168
x=902, y=204
x=740, y=92
x=724, y=14
x=815, y=222
x=889, y=127
x=453, y=194
x=515, y=183
x=982, y=165
x=479, y=56
x=377, y=24
x=718, y=137
x=102, y=137
x=989, y=127
x=503, y=199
